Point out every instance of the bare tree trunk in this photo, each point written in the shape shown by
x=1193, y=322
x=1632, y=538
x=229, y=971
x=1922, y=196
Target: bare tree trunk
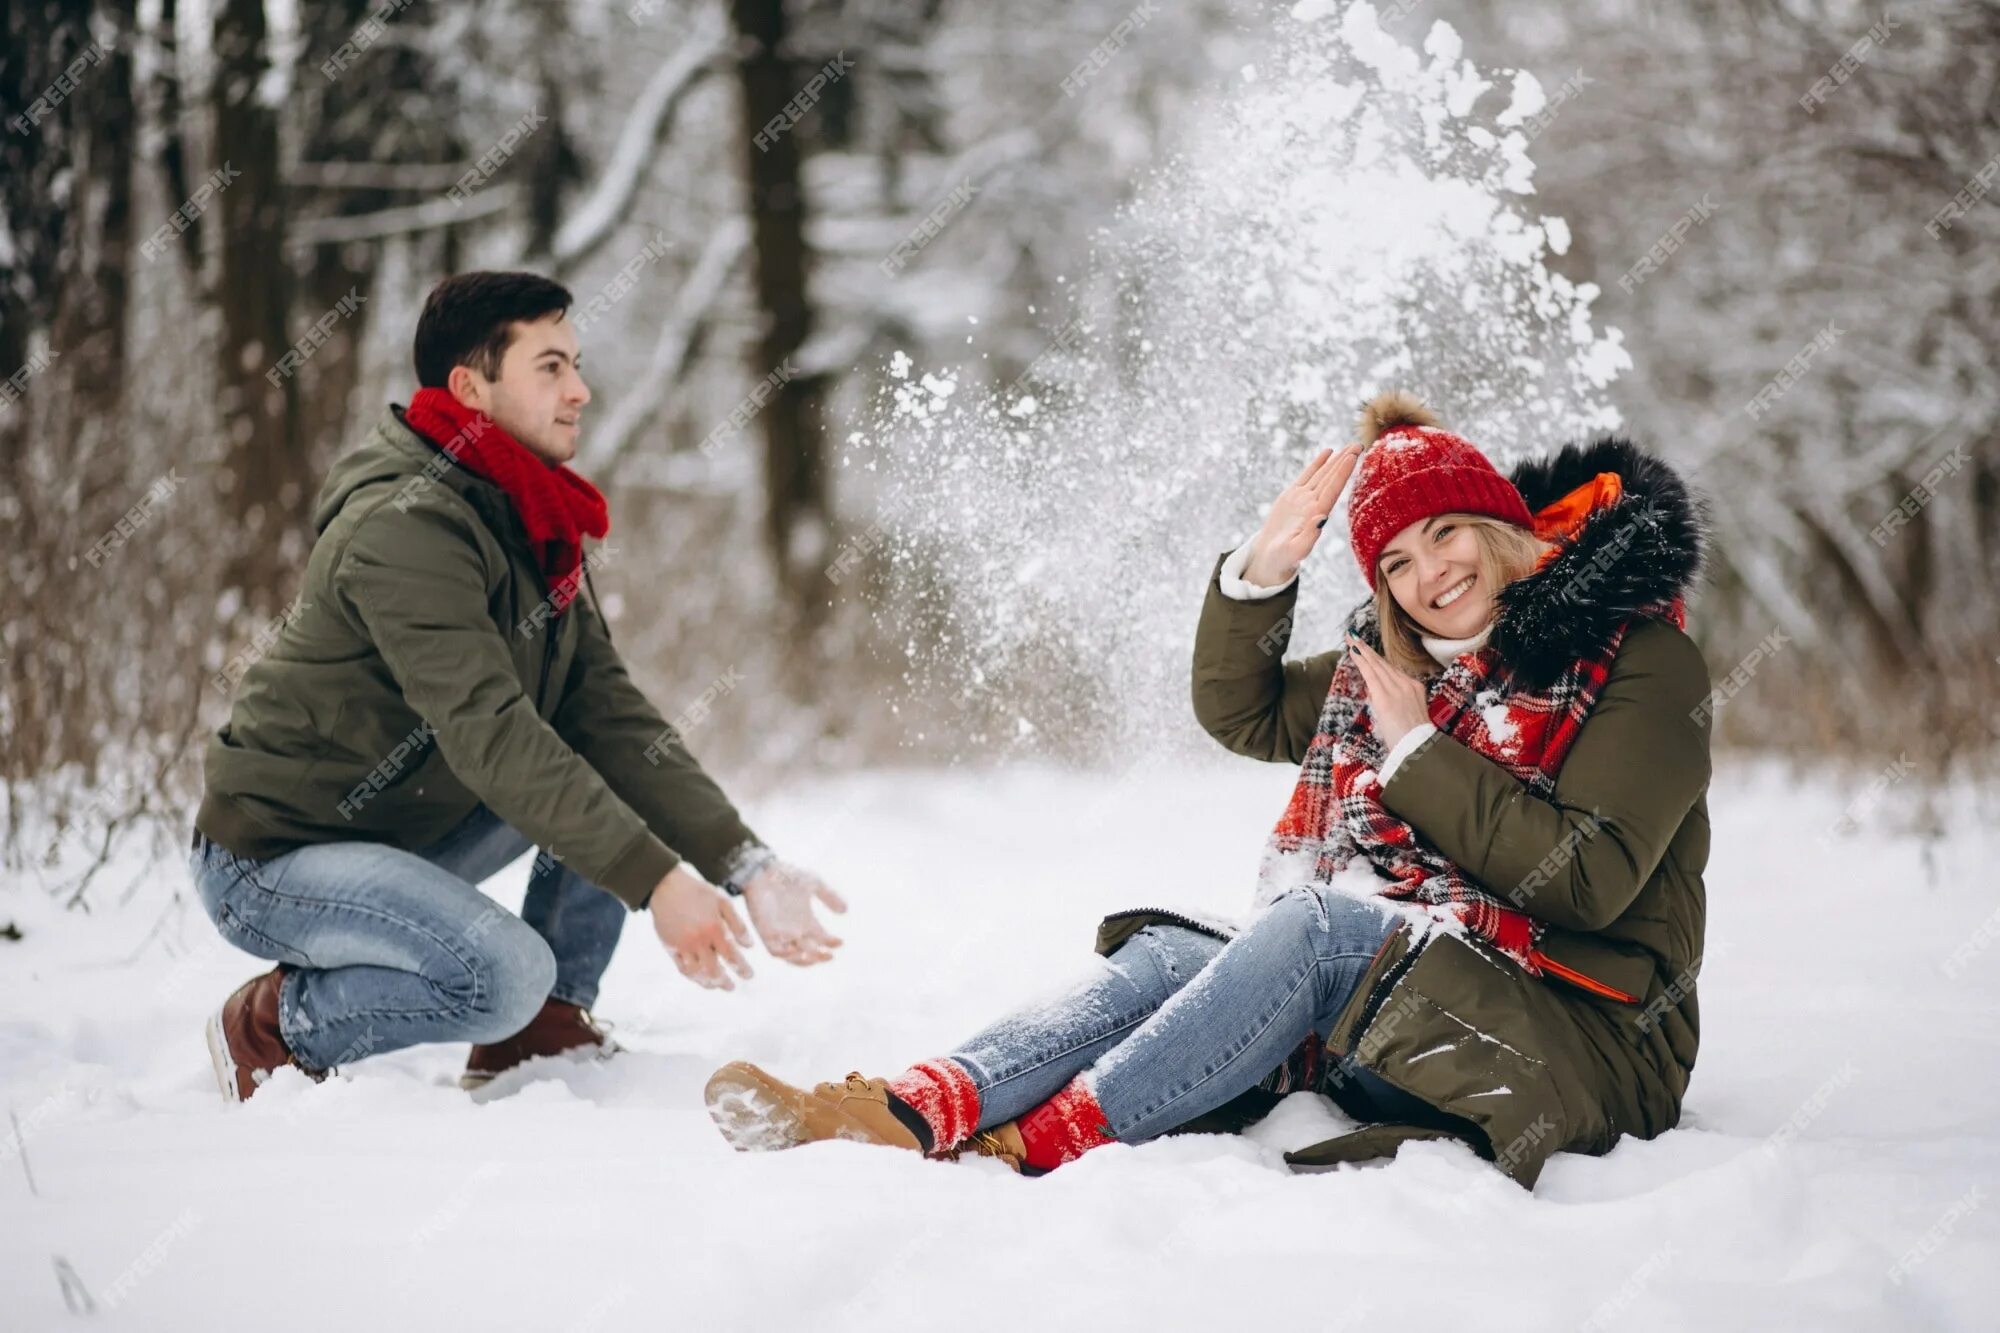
x=340, y=123
x=265, y=468
x=340, y=127
x=550, y=163
x=38, y=44
x=90, y=317
x=796, y=503
x=169, y=105
x=85, y=390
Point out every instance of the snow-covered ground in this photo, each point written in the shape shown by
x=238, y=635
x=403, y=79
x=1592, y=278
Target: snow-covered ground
x=1835, y=1168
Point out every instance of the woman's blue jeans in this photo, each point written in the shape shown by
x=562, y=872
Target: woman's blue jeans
x=384, y=948
x=1176, y=1023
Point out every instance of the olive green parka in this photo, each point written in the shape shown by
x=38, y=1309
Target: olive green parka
x=1518, y=1066
x=422, y=672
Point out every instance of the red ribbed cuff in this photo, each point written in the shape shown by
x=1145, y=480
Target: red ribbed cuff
x=1064, y=1127
x=945, y=1096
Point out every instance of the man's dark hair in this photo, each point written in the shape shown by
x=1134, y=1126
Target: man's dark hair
x=468, y=318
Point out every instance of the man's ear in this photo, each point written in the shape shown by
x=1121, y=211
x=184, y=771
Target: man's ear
x=465, y=385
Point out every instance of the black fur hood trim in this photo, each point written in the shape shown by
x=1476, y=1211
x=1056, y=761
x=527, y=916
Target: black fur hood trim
x=1642, y=551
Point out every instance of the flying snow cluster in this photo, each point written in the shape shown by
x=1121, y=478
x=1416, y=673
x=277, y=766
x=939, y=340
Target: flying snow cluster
x=1351, y=214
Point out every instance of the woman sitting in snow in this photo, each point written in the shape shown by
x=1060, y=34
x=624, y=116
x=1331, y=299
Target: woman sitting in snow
x=1481, y=914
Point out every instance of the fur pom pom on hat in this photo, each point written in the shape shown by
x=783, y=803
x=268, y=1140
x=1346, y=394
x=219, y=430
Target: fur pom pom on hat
x=1386, y=411
x=1412, y=469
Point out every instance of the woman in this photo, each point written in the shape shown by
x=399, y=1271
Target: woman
x=1481, y=914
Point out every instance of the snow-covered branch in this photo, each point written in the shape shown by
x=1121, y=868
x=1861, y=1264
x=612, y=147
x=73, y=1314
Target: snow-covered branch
x=698, y=296
x=427, y=176
x=404, y=220
x=596, y=218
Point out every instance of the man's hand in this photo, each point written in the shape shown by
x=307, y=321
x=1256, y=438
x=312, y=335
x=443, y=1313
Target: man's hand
x=700, y=929
x=780, y=899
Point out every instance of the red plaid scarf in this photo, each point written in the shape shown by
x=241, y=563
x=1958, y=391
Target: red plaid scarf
x=1336, y=811
x=557, y=507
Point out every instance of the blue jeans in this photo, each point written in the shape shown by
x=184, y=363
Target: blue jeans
x=383, y=948
x=1177, y=1023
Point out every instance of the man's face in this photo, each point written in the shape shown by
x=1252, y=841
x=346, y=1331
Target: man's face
x=540, y=394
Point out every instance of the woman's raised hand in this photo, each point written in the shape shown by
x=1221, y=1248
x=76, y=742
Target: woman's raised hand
x=1298, y=516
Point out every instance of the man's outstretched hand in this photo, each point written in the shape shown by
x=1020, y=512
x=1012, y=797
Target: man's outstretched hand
x=700, y=928
x=780, y=898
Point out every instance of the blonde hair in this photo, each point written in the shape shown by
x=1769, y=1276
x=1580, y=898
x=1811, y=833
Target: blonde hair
x=1507, y=552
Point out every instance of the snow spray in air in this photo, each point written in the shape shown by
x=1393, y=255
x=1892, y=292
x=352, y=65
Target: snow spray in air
x=1351, y=214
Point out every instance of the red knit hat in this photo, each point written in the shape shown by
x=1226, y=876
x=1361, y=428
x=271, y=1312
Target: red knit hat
x=1412, y=469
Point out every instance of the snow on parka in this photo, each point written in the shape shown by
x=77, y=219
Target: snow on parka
x=1522, y=1067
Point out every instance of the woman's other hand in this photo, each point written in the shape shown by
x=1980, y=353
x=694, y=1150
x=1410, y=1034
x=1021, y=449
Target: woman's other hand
x=1398, y=702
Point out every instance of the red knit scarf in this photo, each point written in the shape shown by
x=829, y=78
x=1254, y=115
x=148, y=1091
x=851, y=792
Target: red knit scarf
x=557, y=507
x=1336, y=811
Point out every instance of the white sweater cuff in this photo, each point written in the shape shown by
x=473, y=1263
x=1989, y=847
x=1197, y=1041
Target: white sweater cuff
x=1237, y=588
x=1406, y=747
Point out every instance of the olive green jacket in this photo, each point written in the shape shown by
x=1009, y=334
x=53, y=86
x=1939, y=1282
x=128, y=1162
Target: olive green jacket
x=421, y=673
x=1519, y=1066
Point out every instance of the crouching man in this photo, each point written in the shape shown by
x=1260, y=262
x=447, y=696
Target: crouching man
x=443, y=696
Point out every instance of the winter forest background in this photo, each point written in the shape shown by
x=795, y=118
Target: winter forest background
x=937, y=351
x=937, y=347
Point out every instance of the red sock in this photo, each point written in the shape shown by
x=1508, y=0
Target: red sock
x=944, y=1095
x=1064, y=1127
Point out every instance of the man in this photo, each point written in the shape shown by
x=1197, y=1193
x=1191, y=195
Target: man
x=443, y=696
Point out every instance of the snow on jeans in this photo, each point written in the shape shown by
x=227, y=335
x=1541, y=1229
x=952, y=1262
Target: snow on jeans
x=1177, y=1022
x=384, y=948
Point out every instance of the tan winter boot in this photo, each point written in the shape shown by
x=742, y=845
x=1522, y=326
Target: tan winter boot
x=759, y=1113
x=1001, y=1141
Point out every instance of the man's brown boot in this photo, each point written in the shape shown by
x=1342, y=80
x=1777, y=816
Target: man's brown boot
x=244, y=1044
x=559, y=1029
x=758, y=1113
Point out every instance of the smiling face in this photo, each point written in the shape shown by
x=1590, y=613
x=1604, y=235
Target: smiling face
x=1434, y=571
x=539, y=396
